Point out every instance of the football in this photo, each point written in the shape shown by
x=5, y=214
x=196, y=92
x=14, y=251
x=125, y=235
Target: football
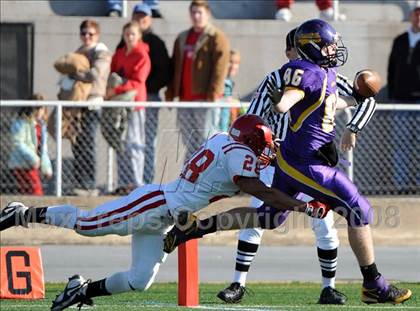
x=367, y=83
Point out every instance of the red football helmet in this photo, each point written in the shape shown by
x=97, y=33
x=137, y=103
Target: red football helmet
x=252, y=131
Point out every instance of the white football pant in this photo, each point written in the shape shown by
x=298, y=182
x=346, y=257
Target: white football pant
x=143, y=214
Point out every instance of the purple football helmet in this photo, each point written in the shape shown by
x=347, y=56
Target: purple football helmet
x=312, y=40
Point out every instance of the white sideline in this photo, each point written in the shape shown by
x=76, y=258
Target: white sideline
x=230, y=308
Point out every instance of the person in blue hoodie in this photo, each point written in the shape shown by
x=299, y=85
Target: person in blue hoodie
x=29, y=157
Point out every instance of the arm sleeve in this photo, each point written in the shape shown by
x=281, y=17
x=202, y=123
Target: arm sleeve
x=220, y=60
x=101, y=66
x=138, y=76
x=365, y=107
x=170, y=92
x=362, y=116
x=27, y=154
x=344, y=85
x=261, y=105
x=161, y=64
x=114, y=62
x=391, y=70
x=46, y=167
x=260, y=102
x=305, y=80
x=241, y=162
x=99, y=70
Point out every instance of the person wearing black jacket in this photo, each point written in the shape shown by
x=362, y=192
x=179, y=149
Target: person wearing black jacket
x=159, y=77
x=404, y=63
x=404, y=87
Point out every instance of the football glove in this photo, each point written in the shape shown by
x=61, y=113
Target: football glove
x=274, y=93
x=186, y=221
x=316, y=209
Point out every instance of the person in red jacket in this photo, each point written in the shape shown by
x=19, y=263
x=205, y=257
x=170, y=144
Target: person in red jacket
x=132, y=63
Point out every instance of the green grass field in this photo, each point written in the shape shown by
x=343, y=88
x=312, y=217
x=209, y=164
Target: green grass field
x=262, y=296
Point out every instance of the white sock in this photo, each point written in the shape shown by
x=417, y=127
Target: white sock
x=240, y=277
x=328, y=282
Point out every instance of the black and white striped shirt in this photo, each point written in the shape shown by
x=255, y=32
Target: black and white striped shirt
x=364, y=108
x=261, y=105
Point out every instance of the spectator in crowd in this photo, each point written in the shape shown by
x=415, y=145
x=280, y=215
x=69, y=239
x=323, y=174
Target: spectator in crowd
x=404, y=87
x=115, y=8
x=159, y=77
x=227, y=115
x=132, y=63
x=200, y=57
x=84, y=148
x=325, y=7
x=404, y=63
x=29, y=156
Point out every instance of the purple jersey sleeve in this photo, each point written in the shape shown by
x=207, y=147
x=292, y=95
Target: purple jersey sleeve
x=300, y=75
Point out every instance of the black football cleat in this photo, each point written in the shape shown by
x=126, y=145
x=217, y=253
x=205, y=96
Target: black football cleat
x=394, y=295
x=183, y=231
x=173, y=238
x=13, y=215
x=331, y=296
x=74, y=293
x=233, y=293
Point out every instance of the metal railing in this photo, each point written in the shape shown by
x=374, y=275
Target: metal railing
x=371, y=138
x=58, y=116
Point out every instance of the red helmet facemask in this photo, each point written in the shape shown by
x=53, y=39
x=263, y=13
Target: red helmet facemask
x=268, y=154
x=252, y=131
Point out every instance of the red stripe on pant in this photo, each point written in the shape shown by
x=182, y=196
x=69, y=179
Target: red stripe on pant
x=124, y=208
x=123, y=218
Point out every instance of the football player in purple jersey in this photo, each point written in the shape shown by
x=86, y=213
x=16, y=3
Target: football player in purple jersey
x=304, y=163
x=307, y=156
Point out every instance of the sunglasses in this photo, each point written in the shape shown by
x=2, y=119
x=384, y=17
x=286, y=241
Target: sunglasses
x=89, y=34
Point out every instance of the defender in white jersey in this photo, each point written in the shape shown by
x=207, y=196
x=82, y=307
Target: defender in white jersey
x=221, y=162
x=224, y=165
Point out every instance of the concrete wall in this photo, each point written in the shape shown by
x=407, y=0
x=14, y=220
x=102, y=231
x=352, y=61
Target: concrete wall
x=261, y=42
